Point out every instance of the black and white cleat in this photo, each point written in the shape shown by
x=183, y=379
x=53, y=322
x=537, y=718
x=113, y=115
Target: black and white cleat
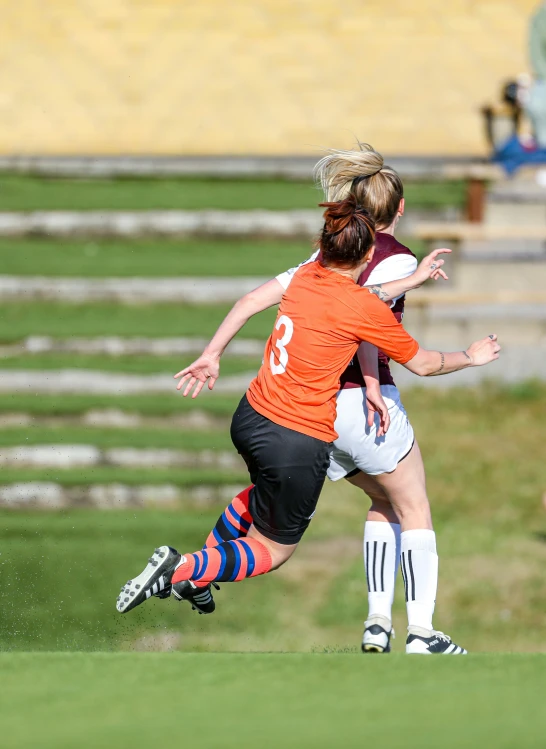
x=200, y=598
x=154, y=580
x=431, y=642
x=377, y=635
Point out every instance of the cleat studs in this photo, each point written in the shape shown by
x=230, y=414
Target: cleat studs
x=132, y=594
x=125, y=600
x=137, y=587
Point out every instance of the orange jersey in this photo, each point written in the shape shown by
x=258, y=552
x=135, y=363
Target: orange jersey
x=322, y=318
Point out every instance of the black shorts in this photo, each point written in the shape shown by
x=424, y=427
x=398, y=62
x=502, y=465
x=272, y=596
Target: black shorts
x=287, y=469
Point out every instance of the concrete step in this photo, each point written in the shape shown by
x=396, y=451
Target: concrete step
x=64, y=456
x=116, y=346
x=114, y=418
x=47, y=495
x=133, y=290
x=85, y=381
x=179, y=223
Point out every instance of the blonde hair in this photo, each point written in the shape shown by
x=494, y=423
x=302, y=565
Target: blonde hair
x=362, y=173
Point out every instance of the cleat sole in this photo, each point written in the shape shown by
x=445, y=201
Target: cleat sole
x=136, y=592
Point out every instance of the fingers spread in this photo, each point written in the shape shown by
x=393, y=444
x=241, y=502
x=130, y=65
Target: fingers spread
x=182, y=381
x=189, y=386
x=198, y=389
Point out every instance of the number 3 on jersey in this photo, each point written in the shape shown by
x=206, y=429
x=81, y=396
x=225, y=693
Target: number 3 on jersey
x=281, y=344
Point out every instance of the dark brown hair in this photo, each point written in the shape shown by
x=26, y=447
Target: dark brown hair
x=348, y=234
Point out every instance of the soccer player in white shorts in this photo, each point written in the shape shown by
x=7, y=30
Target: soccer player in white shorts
x=388, y=467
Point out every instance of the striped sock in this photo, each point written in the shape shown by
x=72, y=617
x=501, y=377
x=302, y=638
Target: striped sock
x=234, y=522
x=420, y=573
x=229, y=561
x=381, y=558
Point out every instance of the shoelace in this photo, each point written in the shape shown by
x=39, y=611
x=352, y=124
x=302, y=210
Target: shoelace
x=441, y=635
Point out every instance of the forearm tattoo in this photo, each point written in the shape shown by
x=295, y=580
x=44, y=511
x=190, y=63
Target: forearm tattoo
x=442, y=365
x=378, y=291
x=443, y=362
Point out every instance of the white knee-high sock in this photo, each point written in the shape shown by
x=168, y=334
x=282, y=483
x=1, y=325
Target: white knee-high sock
x=420, y=573
x=381, y=559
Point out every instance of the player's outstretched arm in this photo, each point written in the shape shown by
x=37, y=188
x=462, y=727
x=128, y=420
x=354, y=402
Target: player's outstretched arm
x=429, y=267
x=207, y=366
x=433, y=363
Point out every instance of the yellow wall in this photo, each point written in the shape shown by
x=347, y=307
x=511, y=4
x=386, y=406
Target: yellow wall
x=269, y=76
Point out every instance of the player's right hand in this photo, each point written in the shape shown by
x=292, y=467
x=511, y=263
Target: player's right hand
x=484, y=351
x=202, y=369
x=376, y=405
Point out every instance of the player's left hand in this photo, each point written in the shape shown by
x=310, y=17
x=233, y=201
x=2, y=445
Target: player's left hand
x=376, y=405
x=202, y=369
x=431, y=267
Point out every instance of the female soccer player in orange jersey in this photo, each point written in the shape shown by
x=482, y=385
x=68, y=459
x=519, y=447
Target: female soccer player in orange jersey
x=388, y=467
x=284, y=425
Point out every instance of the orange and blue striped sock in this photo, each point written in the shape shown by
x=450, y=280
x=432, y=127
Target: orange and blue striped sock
x=229, y=561
x=234, y=522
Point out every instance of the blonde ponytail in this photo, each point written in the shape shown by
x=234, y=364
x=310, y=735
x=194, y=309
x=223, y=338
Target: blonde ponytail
x=361, y=173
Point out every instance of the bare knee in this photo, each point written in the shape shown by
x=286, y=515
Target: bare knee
x=382, y=511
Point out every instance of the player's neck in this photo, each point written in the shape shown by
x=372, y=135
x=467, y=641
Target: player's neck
x=352, y=273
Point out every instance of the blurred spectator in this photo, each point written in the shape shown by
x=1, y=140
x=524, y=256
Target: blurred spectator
x=536, y=104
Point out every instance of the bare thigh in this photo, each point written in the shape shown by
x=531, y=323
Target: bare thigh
x=405, y=490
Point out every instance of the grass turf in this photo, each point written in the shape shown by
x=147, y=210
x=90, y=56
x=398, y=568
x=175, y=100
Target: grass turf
x=138, y=364
x=133, y=476
x=150, y=405
x=61, y=571
x=147, y=437
x=19, y=319
x=26, y=193
x=150, y=258
x=315, y=701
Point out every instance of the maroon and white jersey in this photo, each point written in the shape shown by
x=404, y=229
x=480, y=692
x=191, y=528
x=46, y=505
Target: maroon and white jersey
x=391, y=262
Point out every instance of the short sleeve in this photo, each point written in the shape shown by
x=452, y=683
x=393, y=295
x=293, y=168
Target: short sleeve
x=379, y=326
x=285, y=278
x=393, y=268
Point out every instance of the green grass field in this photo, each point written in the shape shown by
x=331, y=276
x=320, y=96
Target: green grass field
x=27, y=193
x=278, y=664
x=150, y=405
x=485, y=481
x=20, y=319
x=235, y=701
x=137, y=364
x=100, y=258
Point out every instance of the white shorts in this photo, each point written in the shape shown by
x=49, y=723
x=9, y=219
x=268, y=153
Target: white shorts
x=358, y=447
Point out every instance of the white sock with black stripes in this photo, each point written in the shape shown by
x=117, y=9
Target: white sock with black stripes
x=420, y=572
x=381, y=559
